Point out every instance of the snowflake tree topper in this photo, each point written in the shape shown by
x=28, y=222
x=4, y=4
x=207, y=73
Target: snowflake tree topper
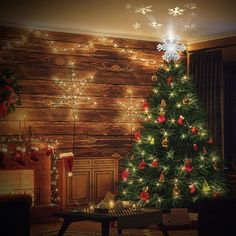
x=171, y=47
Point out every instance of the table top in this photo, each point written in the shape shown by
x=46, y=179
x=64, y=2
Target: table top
x=85, y=212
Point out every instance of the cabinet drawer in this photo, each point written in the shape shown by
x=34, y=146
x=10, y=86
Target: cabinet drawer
x=82, y=163
x=104, y=162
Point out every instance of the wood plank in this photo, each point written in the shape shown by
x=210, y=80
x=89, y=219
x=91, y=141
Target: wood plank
x=33, y=59
x=77, y=38
x=56, y=129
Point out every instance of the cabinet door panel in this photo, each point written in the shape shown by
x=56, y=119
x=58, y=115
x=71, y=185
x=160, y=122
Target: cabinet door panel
x=103, y=182
x=79, y=188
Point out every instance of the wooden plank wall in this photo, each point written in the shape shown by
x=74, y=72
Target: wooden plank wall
x=100, y=129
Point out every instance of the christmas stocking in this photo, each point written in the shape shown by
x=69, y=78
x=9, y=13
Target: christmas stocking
x=19, y=155
x=33, y=156
x=3, y=152
x=68, y=161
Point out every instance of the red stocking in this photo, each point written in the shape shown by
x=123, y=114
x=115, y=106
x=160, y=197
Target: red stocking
x=33, y=156
x=68, y=162
x=3, y=152
x=19, y=156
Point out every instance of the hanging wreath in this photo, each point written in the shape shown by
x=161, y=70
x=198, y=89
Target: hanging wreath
x=9, y=92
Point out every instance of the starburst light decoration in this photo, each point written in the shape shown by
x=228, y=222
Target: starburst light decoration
x=144, y=10
x=73, y=92
x=131, y=108
x=171, y=47
x=176, y=11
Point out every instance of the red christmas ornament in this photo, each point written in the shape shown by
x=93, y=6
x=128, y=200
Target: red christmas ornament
x=192, y=188
x=155, y=163
x=161, y=118
x=169, y=80
x=210, y=141
x=216, y=194
x=137, y=135
x=188, y=166
x=195, y=147
x=194, y=131
x=33, y=156
x=181, y=120
x=125, y=174
x=144, y=196
x=142, y=165
x=145, y=106
x=204, y=151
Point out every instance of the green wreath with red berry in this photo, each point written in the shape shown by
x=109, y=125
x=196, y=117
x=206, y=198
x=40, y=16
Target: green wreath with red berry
x=9, y=92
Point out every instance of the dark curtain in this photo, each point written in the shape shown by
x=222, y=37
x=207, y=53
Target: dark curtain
x=206, y=68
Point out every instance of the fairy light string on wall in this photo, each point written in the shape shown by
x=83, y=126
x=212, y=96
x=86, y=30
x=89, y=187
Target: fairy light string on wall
x=133, y=54
x=131, y=111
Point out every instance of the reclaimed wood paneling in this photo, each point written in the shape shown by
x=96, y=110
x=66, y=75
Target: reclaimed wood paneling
x=100, y=129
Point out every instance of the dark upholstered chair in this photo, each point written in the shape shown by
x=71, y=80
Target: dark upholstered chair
x=15, y=215
x=217, y=217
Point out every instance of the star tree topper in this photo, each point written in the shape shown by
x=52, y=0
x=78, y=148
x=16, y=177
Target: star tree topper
x=171, y=48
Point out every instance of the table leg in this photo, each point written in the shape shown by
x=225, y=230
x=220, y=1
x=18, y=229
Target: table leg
x=105, y=228
x=119, y=231
x=163, y=229
x=64, y=226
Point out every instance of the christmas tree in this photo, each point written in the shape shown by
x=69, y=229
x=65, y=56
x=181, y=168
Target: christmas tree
x=173, y=161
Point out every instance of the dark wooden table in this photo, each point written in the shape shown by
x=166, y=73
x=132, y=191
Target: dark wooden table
x=126, y=219
x=70, y=217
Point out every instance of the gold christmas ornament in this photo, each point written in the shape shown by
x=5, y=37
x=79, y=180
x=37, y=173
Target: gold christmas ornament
x=162, y=178
x=165, y=142
x=163, y=103
x=215, y=165
x=176, y=191
x=205, y=187
x=152, y=141
x=154, y=78
x=185, y=101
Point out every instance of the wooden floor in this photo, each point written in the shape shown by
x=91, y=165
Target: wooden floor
x=85, y=227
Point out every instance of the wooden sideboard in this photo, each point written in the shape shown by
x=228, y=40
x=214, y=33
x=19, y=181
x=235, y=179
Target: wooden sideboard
x=92, y=179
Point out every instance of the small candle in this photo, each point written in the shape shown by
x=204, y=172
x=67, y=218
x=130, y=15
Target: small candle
x=111, y=204
x=91, y=207
x=134, y=206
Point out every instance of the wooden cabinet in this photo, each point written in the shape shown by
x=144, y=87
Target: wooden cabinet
x=92, y=179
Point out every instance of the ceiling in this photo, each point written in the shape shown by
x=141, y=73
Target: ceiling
x=201, y=20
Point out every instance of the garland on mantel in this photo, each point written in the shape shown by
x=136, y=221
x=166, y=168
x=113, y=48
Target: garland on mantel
x=9, y=92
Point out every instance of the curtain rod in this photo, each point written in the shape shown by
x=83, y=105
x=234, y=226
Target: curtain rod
x=212, y=48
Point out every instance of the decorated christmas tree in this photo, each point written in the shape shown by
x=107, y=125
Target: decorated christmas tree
x=173, y=161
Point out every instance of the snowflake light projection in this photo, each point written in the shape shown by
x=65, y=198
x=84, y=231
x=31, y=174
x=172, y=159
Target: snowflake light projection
x=154, y=23
x=189, y=27
x=144, y=10
x=176, y=11
x=137, y=25
x=171, y=48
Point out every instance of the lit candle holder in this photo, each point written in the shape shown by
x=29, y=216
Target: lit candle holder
x=111, y=204
x=91, y=207
x=134, y=206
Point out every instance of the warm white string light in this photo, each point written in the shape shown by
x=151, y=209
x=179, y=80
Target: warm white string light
x=133, y=54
